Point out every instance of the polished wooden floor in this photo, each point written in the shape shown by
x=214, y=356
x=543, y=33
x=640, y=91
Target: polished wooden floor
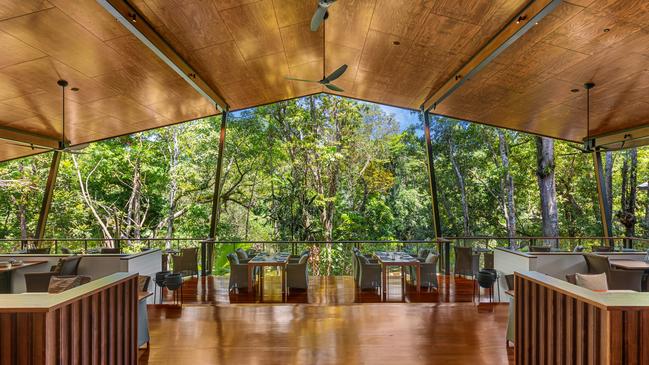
x=373, y=333
x=322, y=290
x=331, y=323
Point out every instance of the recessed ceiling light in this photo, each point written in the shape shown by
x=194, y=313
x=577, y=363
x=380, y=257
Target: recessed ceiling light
x=396, y=43
x=574, y=90
x=75, y=89
x=606, y=30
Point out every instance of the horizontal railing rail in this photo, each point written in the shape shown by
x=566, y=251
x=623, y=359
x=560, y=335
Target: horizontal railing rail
x=335, y=255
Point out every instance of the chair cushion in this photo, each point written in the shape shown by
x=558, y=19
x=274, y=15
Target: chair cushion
x=363, y=259
x=430, y=258
x=241, y=254
x=303, y=259
x=60, y=284
x=595, y=282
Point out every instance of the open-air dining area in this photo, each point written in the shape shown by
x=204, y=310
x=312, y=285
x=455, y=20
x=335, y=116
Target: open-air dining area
x=324, y=182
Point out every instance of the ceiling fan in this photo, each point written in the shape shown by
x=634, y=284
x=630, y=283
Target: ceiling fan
x=326, y=81
x=64, y=145
x=320, y=14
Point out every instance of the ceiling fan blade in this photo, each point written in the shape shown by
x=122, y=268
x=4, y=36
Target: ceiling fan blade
x=303, y=80
x=318, y=17
x=333, y=87
x=336, y=74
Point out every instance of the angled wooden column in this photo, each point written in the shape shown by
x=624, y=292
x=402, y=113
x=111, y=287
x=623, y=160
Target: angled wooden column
x=207, y=248
x=47, y=195
x=602, y=194
x=432, y=187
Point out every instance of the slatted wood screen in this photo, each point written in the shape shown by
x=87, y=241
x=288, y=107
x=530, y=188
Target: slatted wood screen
x=555, y=327
x=98, y=328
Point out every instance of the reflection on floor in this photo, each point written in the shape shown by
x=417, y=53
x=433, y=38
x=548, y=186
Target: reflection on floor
x=373, y=333
x=323, y=290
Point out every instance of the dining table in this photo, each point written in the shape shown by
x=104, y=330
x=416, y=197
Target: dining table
x=279, y=260
x=6, y=273
x=397, y=259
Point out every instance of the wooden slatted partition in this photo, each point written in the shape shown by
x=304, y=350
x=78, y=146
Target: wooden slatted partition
x=560, y=323
x=92, y=324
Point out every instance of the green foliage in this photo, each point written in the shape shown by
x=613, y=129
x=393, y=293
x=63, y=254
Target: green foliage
x=317, y=168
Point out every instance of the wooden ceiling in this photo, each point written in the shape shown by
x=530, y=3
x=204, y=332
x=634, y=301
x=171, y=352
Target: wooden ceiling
x=398, y=52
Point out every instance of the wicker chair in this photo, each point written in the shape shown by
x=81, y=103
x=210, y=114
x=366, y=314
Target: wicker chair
x=369, y=276
x=238, y=273
x=466, y=261
x=297, y=274
x=617, y=279
x=428, y=270
x=186, y=262
x=40, y=281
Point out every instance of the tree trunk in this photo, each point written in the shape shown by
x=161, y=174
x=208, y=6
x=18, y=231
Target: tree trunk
x=608, y=176
x=510, y=206
x=628, y=193
x=173, y=185
x=133, y=228
x=460, y=182
x=547, y=188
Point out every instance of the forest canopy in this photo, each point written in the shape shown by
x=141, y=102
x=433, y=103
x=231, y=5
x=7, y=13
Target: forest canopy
x=324, y=168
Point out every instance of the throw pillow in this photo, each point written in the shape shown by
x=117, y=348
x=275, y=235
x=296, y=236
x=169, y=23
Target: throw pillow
x=363, y=259
x=60, y=284
x=430, y=258
x=595, y=282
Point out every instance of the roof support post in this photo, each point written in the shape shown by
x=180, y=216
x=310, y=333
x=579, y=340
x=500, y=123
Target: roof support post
x=432, y=186
x=602, y=194
x=208, y=249
x=47, y=195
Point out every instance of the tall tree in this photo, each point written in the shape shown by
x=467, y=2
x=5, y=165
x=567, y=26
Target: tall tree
x=508, y=185
x=547, y=187
x=628, y=195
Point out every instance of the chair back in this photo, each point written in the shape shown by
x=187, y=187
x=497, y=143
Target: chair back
x=488, y=260
x=578, y=248
x=192, y=253
x=66, y=251
x=241, y=254
x=539, y=248
x=233, y=259
x=597, y=264
x=70, y=265
x=38, y=251
x=463, y=257
x=423, y=253
x=602, y=249
x=109, y=250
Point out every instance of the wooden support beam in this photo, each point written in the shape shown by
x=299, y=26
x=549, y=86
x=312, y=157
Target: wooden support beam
x=604, y=209
x=47, y=195
x=515, y=29
x=28, y=139
x=142, y=29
